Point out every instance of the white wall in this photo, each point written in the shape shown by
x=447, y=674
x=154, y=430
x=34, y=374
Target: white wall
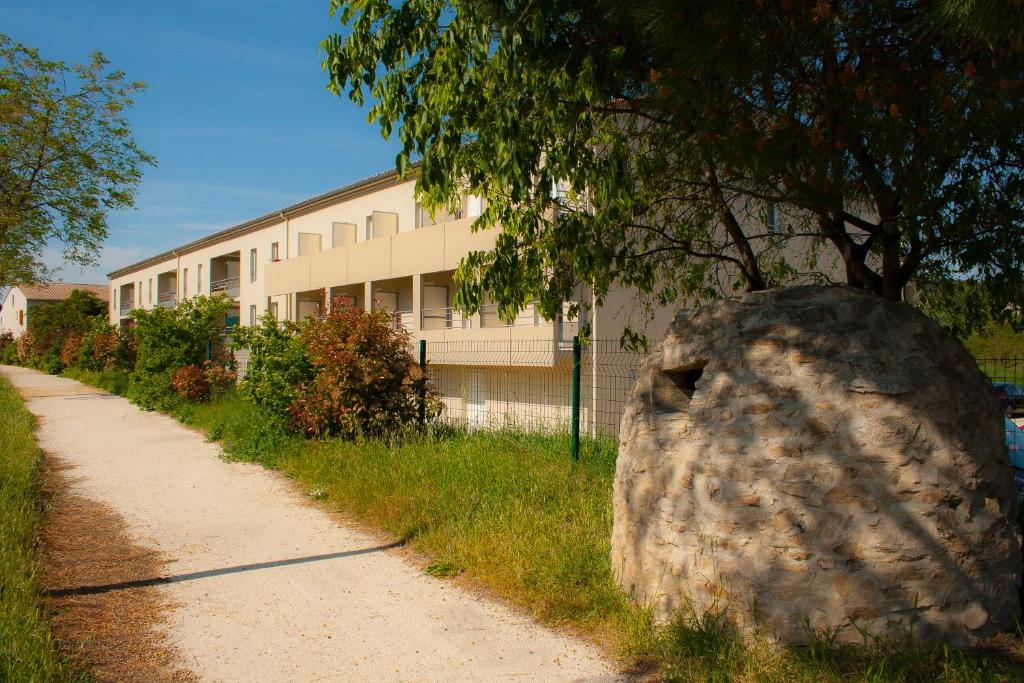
x=13, y=305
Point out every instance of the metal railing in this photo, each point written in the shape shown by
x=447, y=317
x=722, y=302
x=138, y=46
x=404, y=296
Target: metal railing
x=126, y=308
x=166, y=299
x=228, y=285
x=404, y=320
x=446, y=318
x=528, y=317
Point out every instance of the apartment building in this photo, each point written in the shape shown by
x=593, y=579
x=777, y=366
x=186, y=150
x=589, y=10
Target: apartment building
x=370, y=245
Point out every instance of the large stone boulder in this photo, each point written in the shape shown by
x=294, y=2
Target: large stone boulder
x=816, y=456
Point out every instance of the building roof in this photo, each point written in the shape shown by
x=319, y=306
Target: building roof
x=59, y=291
x=357, y=188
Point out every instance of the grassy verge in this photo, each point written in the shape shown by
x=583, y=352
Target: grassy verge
x=114, y=381
x=27, y=649
x=507, y=512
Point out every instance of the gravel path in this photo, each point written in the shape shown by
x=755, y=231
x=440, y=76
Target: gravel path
x=268, y=587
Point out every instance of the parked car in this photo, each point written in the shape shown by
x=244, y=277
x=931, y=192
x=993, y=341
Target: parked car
x=1011, y=397
x=1015, y=447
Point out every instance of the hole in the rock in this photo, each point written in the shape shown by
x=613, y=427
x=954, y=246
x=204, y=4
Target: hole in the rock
x=686, y=380
x=672, y=390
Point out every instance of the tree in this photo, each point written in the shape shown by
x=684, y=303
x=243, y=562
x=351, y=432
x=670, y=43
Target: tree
x=50, y=325
x=641, y=143
x=67, y=157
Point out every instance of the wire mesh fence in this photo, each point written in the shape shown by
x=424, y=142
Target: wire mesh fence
x=1007, y=375
x=527, y=384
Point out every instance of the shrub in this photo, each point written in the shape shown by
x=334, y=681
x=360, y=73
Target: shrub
x=278, y=364
x=190, y=383
x=218, y=377
x=70, y=350
x=102, y=348
x=8, y=348
x=366, y=380
x=171, y=338
x=26, y=348
x=51, y=325
x=9, y=354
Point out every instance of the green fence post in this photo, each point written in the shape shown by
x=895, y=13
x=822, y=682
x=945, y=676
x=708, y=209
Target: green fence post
x=423, y=382
x=576, y=354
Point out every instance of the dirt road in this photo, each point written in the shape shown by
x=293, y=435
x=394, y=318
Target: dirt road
x=267, y=587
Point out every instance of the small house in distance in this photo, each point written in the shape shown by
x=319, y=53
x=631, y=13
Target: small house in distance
x=21, y=299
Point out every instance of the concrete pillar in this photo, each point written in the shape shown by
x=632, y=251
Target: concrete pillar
x=417, y=303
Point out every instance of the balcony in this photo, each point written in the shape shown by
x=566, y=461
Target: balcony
x=528, y=317
x=444, y=318
x=228, y=285
x=404, y=320
x=126, y=308
x=166, y=299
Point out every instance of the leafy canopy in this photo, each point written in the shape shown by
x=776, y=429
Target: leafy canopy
x=645, y=143
x=67, y=157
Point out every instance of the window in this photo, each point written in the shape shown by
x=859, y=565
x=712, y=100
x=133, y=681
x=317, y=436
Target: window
x=474, y=206
x=199, y=279
x=273, y=310
x=150, y=290
x=184, y=283
x=273, y=252
x=252, y=265
x=309, y=243
x=140, y=293
x=771, y=220
x=369, y=227
x=21, y=317
x=252, y=315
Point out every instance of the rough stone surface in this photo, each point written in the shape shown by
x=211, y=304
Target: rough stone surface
x=817, y=457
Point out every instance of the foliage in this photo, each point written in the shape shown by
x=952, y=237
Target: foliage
x=644, y=143
x=172, y=338
x=67, y=157
x=50, y=327
x=508, y=511
x=28, y=651
x=71, y=349
x=104, y=347
x=8, y=348
x=366, y=380
x=190, y=383
x=965, y=306
x=218, y=377
x=278, y=364
x=115, y=380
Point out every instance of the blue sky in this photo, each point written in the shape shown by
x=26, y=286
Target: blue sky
x=235, y=110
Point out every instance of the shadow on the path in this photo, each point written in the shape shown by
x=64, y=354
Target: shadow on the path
x=209, y=573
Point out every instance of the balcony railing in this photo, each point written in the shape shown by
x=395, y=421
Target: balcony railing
x=228, y=285
x=166, y=299
x=447, y=318
x=528, y=317
x=126, y=308
x=404, y=320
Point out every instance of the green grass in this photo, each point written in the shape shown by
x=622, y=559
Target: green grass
x=27, y=649
x=114, y=381
x=507, y=512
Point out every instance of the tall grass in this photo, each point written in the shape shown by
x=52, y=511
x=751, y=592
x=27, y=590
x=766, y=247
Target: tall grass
x=27, y=649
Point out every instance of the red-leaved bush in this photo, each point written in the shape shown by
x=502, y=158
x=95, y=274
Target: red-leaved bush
x=190, y=383
x=104, y=349
x=70, y=348
x=218, y=376
x=366, y=380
